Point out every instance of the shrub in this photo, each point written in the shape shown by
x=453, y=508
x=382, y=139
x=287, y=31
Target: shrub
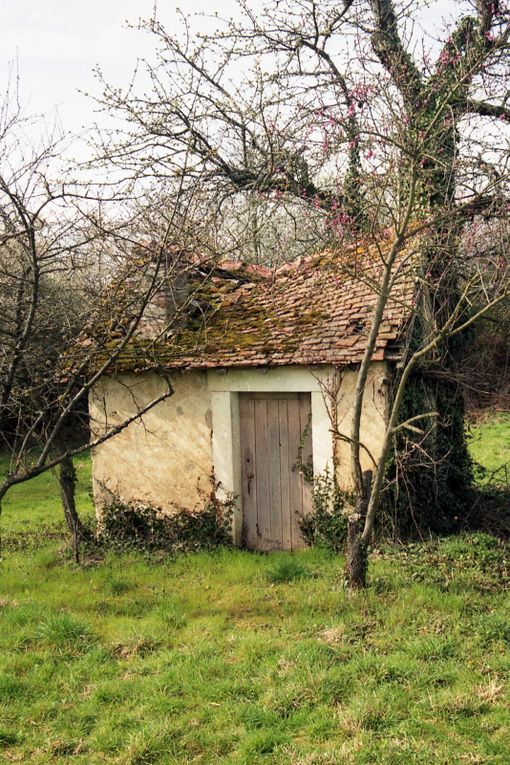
x=144, y=527
x=327, y=525
x=287, y=570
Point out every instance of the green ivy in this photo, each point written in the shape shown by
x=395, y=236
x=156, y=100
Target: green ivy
x=326, y=526
x=429, y=480
x=147, y=528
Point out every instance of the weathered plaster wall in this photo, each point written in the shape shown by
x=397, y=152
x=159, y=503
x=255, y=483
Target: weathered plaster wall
x=372, y=421
x=166, y=459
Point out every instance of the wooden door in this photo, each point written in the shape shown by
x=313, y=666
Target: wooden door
x=275, y=441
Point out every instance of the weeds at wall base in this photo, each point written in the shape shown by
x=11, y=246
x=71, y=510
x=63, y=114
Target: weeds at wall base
x=130, y=526
x=326, y=526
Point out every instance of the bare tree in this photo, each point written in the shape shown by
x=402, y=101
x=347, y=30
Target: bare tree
x=80, y=269
x=354, y=123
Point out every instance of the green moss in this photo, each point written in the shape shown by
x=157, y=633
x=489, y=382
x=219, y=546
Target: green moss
x=216, y=326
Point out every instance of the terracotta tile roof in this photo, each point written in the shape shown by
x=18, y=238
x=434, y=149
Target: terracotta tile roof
x=314, y=311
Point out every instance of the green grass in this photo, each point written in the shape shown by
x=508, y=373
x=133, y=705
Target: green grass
x=33, y=505
x=490, y=446
x=205, y=659
x=287, y=569
x=247, y=659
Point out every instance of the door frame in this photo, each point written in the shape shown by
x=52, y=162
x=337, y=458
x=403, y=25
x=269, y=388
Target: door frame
x=224, y=388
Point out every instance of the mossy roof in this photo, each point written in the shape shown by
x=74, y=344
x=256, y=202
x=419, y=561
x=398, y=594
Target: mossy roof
x=312, y=311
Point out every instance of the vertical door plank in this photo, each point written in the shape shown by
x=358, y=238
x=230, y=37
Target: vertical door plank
x=262, y=474
x=285, y=474
x=305, y=408
x=296, y=492
x=275, y=499
x=248, y=471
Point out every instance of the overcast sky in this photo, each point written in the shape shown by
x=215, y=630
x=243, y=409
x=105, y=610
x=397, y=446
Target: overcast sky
x=56, y=44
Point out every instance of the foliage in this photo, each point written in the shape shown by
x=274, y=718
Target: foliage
x=429, y=476
x=326, y=526
x=144, y=527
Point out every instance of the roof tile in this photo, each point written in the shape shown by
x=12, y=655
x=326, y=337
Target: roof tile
x=311, y=312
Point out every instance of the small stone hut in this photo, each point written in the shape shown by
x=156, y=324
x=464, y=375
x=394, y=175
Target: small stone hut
x=263, y=370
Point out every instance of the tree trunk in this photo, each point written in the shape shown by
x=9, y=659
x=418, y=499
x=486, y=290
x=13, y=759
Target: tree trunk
x=67, y=480
x=356, y=554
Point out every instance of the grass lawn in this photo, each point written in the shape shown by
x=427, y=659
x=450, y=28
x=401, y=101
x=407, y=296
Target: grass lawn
x=35, y=505
x=490, y=446
x=238, y=658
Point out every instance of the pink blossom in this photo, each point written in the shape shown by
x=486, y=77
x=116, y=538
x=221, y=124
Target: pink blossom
x=359, y=92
